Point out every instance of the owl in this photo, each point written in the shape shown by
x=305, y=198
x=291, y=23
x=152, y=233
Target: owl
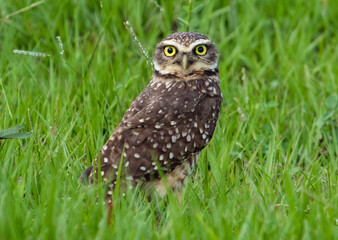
x=162, y=134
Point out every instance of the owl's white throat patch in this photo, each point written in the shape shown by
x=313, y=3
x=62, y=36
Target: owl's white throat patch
x=186, y=74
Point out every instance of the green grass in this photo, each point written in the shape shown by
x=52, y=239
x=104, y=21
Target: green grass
x=271, y=170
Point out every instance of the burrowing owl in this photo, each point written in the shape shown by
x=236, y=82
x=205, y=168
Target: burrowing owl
x=170, y=122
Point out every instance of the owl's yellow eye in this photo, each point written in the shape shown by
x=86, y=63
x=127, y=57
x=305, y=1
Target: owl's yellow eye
x=201, y=49
x=169, y=51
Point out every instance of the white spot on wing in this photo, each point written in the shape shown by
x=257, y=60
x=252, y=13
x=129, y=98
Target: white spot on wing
x=143, y=168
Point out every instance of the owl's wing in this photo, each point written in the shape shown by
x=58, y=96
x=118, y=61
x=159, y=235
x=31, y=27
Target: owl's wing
x=163, y=127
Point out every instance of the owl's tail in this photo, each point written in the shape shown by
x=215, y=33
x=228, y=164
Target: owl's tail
x=85, y=175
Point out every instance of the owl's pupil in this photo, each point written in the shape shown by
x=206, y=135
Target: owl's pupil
x=170, y=50
x=200, y=49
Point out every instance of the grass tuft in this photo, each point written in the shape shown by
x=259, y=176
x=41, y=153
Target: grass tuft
x=271, y=169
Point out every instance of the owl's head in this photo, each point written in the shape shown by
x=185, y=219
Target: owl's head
x=183, y=54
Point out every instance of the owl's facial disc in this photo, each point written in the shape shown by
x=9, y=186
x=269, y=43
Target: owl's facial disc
x=183, y=59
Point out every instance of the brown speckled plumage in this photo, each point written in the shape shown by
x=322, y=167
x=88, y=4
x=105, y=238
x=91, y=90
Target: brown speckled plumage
x=169, y=123
x=185, y=38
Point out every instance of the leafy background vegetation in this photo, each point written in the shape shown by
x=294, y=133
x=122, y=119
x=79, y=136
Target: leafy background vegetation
x=270, y=171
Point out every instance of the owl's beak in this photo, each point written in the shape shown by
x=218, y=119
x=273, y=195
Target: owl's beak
x=184, y=62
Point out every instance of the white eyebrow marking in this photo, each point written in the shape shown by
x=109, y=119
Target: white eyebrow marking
x=199, y=42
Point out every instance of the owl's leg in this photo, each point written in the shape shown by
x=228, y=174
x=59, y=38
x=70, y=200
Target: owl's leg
x=109, y=201
x=173, y=180
x=110, y=210
x=178, y=194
